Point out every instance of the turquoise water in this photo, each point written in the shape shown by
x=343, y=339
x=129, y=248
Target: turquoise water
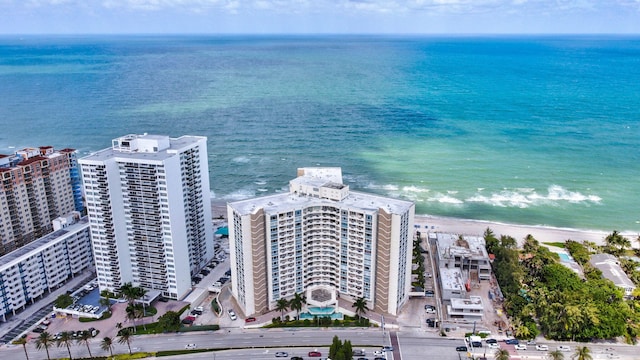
x=321, y=310
x=530, y=130
x=565, y=257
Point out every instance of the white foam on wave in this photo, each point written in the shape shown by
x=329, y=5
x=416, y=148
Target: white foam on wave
x=241, y=194
x=414, y=189
x=241, y=159
x=525, y=197
x=260, y=182
x=445, y=199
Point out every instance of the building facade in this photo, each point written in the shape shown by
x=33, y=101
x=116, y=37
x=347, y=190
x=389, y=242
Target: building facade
x=28, y=273
x=321, y=238
x=36, y=186
x=148, y=202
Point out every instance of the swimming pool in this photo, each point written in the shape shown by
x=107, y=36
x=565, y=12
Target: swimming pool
x=565, y=257
x=317, y=310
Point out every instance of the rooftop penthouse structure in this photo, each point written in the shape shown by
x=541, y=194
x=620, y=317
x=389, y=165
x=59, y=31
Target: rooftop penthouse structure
x=148, y=202
x=43, y=265
x=37, y=185
x=321, y=239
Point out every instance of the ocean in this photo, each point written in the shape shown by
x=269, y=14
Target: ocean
x=517, y=129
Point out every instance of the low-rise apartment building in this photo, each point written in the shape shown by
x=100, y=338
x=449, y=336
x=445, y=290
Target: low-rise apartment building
x=27, y=274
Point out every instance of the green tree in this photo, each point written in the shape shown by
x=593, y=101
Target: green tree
x=63, y=301
x=297, y=303
x=85, y=338
x=336, y=344
x=616, y=243
x=65, y=339
x=502, y=354
x=490, y=241
x=134, y=311
x=556, y=355
x=282, y=305
x=107, y=345
x=361, y=307
x=530, y=244
x=126, y=337
x=169, y=322
x=43, y=341
x=582, y=353
x=22, y=341
x=105, y=299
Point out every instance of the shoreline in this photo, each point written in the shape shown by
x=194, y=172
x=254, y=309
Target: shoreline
x=473, y=227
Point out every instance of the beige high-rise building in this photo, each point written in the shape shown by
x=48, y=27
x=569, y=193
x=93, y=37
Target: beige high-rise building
x=324, y=241
x=36, y=187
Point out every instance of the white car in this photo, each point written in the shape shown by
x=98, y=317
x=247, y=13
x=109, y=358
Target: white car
x=542, y=347
x=564, y=348
x=190, y=346
x=378, y=353
x=232, y=315
x=521, y=347
x=493, y=346
x=282, y=354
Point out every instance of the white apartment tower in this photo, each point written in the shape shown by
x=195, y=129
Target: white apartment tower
x=322, y=240
x=148, y=202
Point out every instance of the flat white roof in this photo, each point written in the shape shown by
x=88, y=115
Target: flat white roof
x=356, y=200
x=451, y=278
x=176, y=144
x=37, y=245
x=450, y=245
x=473, y=302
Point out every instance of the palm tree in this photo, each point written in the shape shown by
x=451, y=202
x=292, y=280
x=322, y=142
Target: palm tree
x=296, y=304
x=85, y=338
x=128, y=291
x=22, y=341
x=556, y=355
x=66, y=340
x=44, y=341
x=282, y=305
x=361, y=307
x=105, y=299
x=126, y=337
x=502, y=354
x=107, y=344
x=134, y=311
x=582, y=353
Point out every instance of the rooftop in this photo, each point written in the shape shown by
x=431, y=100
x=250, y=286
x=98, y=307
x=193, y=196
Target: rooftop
x=451, y=278
x=174, y=145
x=611, y=269
x=450, y=245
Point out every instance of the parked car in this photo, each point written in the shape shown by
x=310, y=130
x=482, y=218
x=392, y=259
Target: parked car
x=521, y=347
x=541, y=347
x=282, y=354
x=429, y=293
x=314, y=354
x=461, y=348
x=493, y=346
x=296, y=358
x=476, y=344
x=232, y=315
x=564, y=348
x=531, y=342
x=512, y=341
x=250, y=319
x=190, y=346
x=359, y=352
x=387, y=348
x=491, y=341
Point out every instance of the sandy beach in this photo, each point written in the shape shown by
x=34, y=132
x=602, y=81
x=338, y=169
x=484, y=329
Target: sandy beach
x=519, y=232
x=428, y=223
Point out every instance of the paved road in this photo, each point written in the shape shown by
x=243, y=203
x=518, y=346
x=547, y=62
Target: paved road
x=262, y=343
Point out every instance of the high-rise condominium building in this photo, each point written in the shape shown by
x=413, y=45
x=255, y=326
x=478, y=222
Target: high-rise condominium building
x=36, y=186
x=324, y=241
x=148, y=202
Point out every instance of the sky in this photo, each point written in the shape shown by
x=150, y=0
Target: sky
x=319, y=16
